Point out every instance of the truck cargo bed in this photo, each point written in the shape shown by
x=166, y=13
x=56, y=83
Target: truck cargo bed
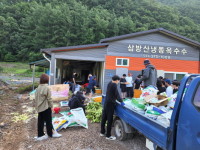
x=151, y=129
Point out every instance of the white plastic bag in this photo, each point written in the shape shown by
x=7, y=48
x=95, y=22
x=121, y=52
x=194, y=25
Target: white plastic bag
x=58, y=123
x=131, y=106
x=74, y=117
x=150, y=90
x=168, y=114
x=79, y=117
x=172, y=100
x=161, y=119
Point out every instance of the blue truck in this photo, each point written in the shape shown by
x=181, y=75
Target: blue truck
x=184, y=130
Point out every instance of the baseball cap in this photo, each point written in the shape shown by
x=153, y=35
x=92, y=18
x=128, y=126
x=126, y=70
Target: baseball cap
x=168, y=81
x=146, y=61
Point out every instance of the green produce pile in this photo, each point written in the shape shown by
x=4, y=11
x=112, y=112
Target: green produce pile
x=94, y=111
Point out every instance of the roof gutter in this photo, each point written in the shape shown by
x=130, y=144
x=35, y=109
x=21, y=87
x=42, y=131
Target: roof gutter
x=44, y=55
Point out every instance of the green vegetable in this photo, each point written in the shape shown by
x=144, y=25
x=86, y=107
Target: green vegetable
x=94, y=111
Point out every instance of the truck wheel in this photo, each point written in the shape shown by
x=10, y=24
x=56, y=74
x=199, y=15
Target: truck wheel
x=119, y=130
x=130, y=135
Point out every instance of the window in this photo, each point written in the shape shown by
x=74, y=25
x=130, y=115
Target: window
x=179, y=76
x=197, y=97
x=174, y=75
x=122, y=62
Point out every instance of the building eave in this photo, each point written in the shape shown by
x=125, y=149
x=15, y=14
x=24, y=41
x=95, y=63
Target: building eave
x=71, y=48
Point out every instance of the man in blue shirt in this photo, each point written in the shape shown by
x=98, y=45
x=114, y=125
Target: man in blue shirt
x=92, y=84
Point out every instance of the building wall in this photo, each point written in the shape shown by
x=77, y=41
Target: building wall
x=183, y=57
x=124, y=48
x=136, y=64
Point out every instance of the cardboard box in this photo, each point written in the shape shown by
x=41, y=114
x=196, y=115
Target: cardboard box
x=162, y=100
x=98, y=91
x=97, y=99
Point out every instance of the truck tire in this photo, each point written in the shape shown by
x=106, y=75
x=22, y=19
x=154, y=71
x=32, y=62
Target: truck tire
x=130, y=135
x=119, y=131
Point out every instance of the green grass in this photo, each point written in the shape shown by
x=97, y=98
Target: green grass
x=19, y=69
x=26, y=88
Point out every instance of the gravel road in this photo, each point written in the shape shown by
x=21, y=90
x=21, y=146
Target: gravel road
x=19, y=136
x=78, y=138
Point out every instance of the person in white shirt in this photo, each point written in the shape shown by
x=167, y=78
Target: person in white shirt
x=129, y=85
x=169, y=89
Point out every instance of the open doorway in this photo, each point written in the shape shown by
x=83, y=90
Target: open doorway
x=83, y=69
x=84, y=74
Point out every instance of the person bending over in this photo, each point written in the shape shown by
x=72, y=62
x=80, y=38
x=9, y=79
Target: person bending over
x=77, y=101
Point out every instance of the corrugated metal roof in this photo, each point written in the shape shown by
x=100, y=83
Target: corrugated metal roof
x=40, y=63
x=161, y=30
x=78, y=47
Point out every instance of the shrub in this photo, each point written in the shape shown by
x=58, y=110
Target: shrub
x=34, y=56
x=9, y=57
x=27, y=88
x=39, y=69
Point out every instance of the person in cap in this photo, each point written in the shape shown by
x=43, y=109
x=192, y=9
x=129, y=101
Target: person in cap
x=169, y=89
x=123, y=86
x=112, y=95
x=149, y=76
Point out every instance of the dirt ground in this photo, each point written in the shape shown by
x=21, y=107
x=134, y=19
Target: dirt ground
x=19, y=135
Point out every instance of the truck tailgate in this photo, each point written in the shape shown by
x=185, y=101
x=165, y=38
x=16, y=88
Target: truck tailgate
x=152, y=130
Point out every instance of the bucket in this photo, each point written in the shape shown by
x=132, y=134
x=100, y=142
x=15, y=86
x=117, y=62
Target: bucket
x=137, y=93
x=56, y=110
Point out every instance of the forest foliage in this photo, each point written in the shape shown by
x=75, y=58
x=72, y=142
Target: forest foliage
x=26, y=26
